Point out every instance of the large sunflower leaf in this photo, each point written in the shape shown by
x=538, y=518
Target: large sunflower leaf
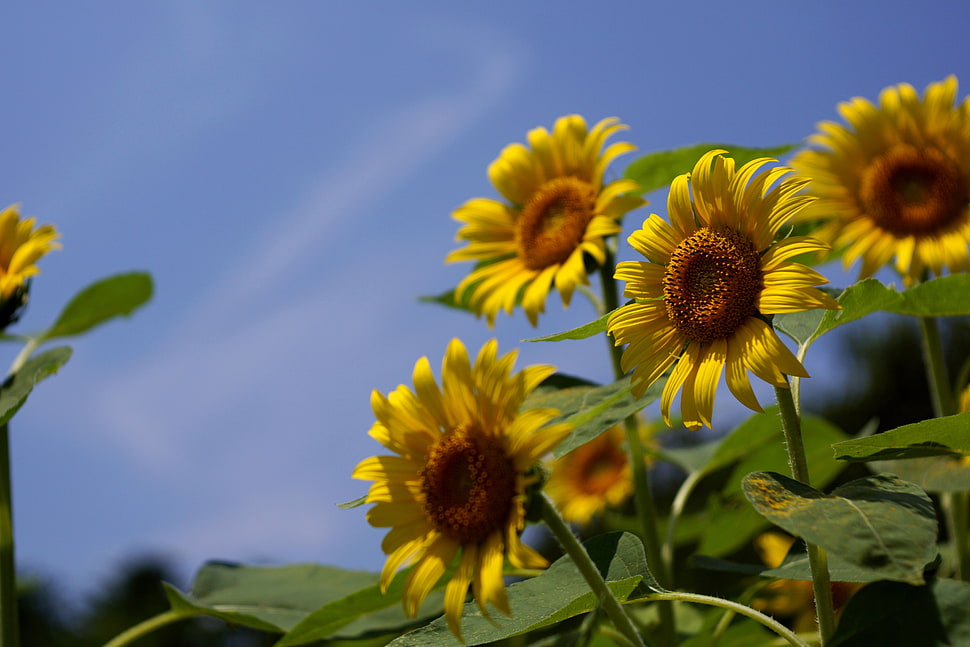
x=794, y=567
x=658, y=169
x=946, y=436
x=591, y=409
x=115, y=296
x=934, y=473
x=279, y=599
x=879, y=523
x=559, y=593
x=892, y=614
x=18, y=386
x=364, y=613
x=945, y=296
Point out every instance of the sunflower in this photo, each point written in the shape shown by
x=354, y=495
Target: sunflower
x=594, y=476
x=21, y=246
x=895, y=182
x=454, y=492
x=554, y=221
x=711, y=278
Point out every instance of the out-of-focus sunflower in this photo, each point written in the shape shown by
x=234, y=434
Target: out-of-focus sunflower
x=793, y=599
x=711, y=279
x=453, y=494
x=895, y=182
x=21, y=246
x=594, y=476
x=554, y=220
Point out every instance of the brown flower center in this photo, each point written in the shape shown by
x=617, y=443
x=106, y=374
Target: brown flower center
x=553, y=222
x=711, y=284
x=913, y=192
x=469, y=483
x=600, y=467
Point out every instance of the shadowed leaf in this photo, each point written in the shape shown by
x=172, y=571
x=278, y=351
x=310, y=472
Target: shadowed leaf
x=892, y=614
x=946, y=436
x=591, y=409
x=879, y=523
x=558, y=594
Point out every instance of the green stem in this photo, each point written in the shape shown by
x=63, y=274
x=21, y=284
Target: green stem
x=817, y=560
x=588, y=569
x=940, y=391
x=9, y=632
x=24, y=354
x=955, y=504
x=676, y=509
x=642, y=495
x=148, y=626
x=740, y=609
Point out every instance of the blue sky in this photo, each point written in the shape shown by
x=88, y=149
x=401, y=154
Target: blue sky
x=286, y=171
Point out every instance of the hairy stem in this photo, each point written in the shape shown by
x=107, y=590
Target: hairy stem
x=144, y=628
x=817, y=560
x=590, y=573
x=955, y=504
x=740, y=609
x=642, y=495
x=9, y=632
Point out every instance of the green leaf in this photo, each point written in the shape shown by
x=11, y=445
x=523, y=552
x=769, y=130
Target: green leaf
x=582, y=332
x=731, y=525
x=115, y=296
x=18, y=386
x=817, y=436
x=800, y=326
x=879, y=523
x=364, y=611
x=761, y=430
x=934, y=474
x=946, y=296
x=273, y=599
x=446, y=299
x=941, y=297
x=739, y=634
x=657, y=170
x=557, y=594
x=946, y=436
x=591, y=410
x=794, y=567
x=356, y=503
x=891, y=614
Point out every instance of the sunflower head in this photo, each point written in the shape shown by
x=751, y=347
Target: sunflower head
x=21, y=246
x=551, y=225
x=453, y=492
x=893, y=184
x=710, y=281
x=594, y=476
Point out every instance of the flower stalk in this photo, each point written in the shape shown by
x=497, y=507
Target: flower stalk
x=560, y=530
x=642, y=495
x=954, y=504
x=144, y=628
x=9, y=631
x=817, y=560
x=735, y=607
